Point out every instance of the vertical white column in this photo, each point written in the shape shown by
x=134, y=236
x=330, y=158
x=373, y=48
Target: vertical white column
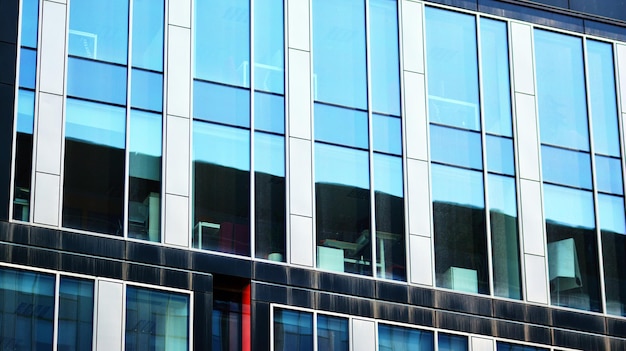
x=621, y=68
x=49, y=116
x=483, y=344
x=299, y=107
x=528, y=146
x=109, y=315
x=178, y=124
x=364, y=335
x=416, y=127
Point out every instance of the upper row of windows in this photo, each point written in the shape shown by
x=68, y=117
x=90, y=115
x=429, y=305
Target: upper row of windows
x=113, y=141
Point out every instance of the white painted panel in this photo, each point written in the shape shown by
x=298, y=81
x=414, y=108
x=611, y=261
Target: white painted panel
x=52, y=49
x=301, y=239
x=482, y=344
x=177, y=220
x=532, y=217
x=523, y=76
x=300, y=177
x=420, y=260
x=298, y=24
x=536, y=284
x=299, y=94
x=621, y=64
x=49, y=136
x=364, y=335
x=47, y=197
x=180, y=13
x=179, y=71
x=419, y=198
x=416, y=119
x=527, y=136
x=177, y=161
x=412, y=38
x=110, y=317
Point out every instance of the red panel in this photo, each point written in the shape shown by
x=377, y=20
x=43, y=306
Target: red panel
x=245, y=319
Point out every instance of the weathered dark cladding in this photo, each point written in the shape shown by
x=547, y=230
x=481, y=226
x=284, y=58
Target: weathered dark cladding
x=8, y=61
x=581, y=17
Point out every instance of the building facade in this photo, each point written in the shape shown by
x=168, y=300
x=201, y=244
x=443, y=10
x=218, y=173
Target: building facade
x=312, y=175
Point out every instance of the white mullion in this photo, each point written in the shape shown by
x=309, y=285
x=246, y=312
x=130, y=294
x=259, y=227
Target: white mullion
x=64, y=111
x=286, y=148
x=163, y=122
x=252, y=168
x=129, y=69
x=55, y=320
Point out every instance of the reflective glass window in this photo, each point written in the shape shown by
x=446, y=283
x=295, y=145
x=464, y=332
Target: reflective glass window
x=269, y=52
x=270, y=207
x=332, y=333
x=456, y=147
x=343, y=209
x=221, y=185
x=222, y=41
x=452, y=69
x=613, y=231
x=99, y=30
x=384, y=56
x=293, y=330
x=503, y=346
x=27, y=310
x=76, y=299
x=450, y=342
x=566, y=167
x=496, y=97
x=340, y=125
x=156, y=320
x=93, y=191
x=572, y=248
x=395, y=338
x=30, y=18
x=28, y=68
x=504, y=236
x=148, y=22
x=96, y=81
x=226, y=320
x=146, y=91
x=339, y=71
x=500, y=157
x=23, y=154
x=387, y=134
x=460, y=230
x=561, y=96
x=389, y=206
x=609, y=175
x=269, y=112
x=144, y=182
x=221, y=103
x=603, y=98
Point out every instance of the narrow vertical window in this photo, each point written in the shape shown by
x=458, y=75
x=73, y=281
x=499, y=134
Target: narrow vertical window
x=332, y=333
x=395, y=338
x=293, y=330
x=451, y=342
x=75, y=314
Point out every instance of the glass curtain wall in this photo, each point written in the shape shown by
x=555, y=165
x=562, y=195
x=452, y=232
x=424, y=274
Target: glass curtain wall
x=239, y=110
x=471, y=146
x=113, y=128
x=358, y=138
x=25, y=111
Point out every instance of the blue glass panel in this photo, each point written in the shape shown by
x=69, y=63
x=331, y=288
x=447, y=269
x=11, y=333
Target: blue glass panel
x=387, y=134
x=611, y=213
x=146, y=91
x=457, y=186
x=341, y=126
x=75, y=314
x=222, y=41
x=95, y=123
x=293, y=330
x=99, y=30
x=156, y=320
x=561, y=90
x=603, y=98
x=269, y=156
x=221, y=145
x=452, y=68
x=148, y=19
x=609, y=175
x=332, y=333
x=566, y=167
x=455, y=147
x=568, y=206
x=384, y=56
x=500, y=155
x=340, y=165
x=395, y=338
x=501, y=346
x=502, y=195
x=269, y=112
x=339, y=72
x=27, y=310
x=269, y=52
x=220, y=103
x=96, y=81
x=30, y=11
x=388, y=175
x=450, y=342
x=496, y=85
x=25, y=111
x=28, y=68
